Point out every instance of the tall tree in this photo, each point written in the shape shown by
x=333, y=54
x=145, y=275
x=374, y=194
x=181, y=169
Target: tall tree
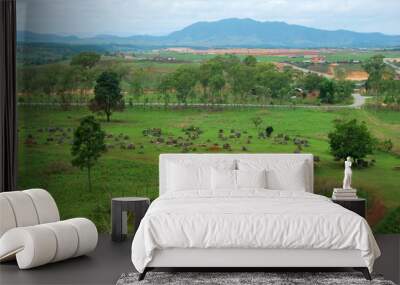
x=86, y=60
x=84, y=63
x=312, y=82
x=136, y=83
x=205, y=72
x=65, y=86
x=165, y=87
x=243, y=81
x=185, y=79
x=375, y=67
x=88, y=145
x=343, y=90
x=217, y=83
x=107, y=95
x=327, y=91
x=49, y=76
x=250, y=60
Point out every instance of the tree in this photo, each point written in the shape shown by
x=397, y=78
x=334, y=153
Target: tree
x=250, y=60
x=48, y=78
x=205, y=72
x=312, y=82
x=88, y=145
x=107, y=94
x=165, y=86
x=350, y=138
x=84, y=63
x=65, y=86
x=327, y=91
x=278, y=83
x=136, y=84
x=243, y=80
x=375, y=68
x=185, y=79
x=86, y=60
x=390, y=91
x=343, y=90
x=217, y=83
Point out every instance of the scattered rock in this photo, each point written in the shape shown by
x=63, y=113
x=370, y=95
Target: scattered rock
x=227, y=146
x=154, y=132
x=30, y=142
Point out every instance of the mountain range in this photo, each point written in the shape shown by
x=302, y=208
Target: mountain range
x=234, y=33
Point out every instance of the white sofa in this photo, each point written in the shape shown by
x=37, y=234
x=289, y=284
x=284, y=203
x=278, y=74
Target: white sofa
x=31, y=231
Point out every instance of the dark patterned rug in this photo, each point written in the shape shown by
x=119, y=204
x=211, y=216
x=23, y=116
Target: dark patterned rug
x=243, y=278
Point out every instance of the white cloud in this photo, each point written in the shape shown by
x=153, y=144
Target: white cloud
x=129, y=17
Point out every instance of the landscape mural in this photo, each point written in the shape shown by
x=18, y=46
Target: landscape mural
x=206, y=76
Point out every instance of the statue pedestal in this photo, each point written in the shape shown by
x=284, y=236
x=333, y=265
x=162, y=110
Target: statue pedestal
x=344, y=194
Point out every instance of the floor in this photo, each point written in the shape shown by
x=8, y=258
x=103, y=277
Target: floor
x=110, y=260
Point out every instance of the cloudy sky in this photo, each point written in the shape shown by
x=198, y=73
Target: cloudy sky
x=159, y=17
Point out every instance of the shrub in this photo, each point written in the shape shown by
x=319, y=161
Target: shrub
x=350, y=138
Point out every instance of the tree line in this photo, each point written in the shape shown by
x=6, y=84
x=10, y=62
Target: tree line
x=227, y=79
x=381, y=81
x=222, y=79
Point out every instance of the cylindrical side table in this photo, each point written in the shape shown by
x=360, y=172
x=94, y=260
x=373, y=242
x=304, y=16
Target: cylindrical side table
x=119, y=208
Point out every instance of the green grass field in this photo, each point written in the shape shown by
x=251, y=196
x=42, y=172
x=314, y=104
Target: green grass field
x=45, y=159
x=332, y=56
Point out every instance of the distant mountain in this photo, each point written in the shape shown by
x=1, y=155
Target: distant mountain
x=236, y=33
x=26, y=36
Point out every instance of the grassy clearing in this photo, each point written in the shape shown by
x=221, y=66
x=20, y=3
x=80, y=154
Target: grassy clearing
x=123, y=172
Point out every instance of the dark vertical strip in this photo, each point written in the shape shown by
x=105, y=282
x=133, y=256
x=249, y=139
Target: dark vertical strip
x=8, y=127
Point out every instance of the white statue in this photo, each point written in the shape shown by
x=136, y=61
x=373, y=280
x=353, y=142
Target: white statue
x=347, y=174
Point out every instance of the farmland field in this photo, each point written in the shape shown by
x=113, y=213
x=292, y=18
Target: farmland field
x=137, y=136
x=130, y=166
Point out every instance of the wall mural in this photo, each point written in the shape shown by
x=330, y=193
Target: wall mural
x=183, y=76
